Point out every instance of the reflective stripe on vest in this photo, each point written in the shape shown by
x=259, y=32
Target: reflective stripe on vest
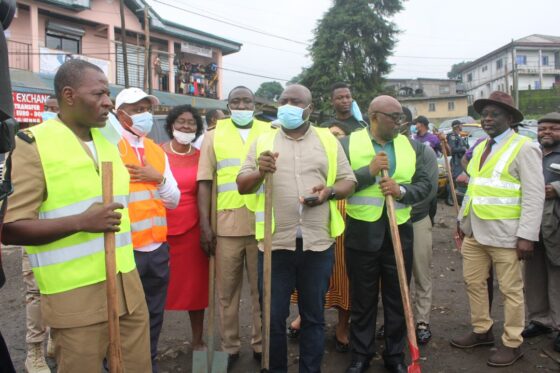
x=145, y=202
x=330, y=144
x=231, y=151
x=72, y=185
x=367, y=204
x=493, y=193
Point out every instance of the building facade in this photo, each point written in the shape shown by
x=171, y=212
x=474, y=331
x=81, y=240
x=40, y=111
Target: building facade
x=532, y=62
x=179, y=60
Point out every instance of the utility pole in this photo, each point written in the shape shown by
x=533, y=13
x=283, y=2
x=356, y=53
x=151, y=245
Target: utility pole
x=514, y=73
x=123, y=44
x=146, y=47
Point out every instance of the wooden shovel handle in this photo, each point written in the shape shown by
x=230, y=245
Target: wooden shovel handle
x=267, y=263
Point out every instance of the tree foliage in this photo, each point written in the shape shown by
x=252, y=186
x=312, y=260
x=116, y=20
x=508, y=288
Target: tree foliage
x=454, y=73
x=269, y=90
x=351, y=44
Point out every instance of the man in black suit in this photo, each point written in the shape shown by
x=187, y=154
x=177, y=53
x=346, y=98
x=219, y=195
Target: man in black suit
x=369, y=248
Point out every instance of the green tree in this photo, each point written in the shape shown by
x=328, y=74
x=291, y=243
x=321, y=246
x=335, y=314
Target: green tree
x=454, y=73
x=351, y=44
x=269, y=90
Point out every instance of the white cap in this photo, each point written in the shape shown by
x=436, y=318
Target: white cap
x=132, y=96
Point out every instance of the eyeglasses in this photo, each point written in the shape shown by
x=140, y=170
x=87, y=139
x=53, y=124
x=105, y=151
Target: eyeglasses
x=396, y=117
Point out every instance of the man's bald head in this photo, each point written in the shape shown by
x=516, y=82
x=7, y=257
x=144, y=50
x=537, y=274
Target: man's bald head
x=300, y=91
x=386, y=104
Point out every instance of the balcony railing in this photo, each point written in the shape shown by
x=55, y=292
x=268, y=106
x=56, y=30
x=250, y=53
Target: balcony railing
x=19, y=55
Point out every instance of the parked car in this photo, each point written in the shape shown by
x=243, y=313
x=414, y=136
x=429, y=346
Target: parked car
x=446, y=128
x=158, y=133
x=530, y=132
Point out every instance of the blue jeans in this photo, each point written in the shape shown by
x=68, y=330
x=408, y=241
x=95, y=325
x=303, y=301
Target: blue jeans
x=308, y=272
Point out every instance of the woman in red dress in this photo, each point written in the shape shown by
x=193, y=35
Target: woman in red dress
x=188, y=283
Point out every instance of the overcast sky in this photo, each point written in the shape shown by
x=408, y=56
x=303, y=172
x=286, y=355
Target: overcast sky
x=434, y=33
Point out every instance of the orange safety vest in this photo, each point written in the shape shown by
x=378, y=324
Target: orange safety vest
x=145, y=207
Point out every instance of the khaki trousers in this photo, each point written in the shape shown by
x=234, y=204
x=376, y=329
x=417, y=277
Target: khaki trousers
x=36, y=331
x=477, y=259
x=422, y=273
x=83, y=349
x=542, y=289
x=232, y=254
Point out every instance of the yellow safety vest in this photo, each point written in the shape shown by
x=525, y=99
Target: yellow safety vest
x=330, y=143
x=367, y=204
x=493, y=192
x=230, y=152
x=73, y=184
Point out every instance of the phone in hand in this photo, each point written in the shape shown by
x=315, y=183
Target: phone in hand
x=310, y=199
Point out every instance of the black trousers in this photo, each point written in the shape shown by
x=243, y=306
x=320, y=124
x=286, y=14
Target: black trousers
x=366, y=269
x=153, y=267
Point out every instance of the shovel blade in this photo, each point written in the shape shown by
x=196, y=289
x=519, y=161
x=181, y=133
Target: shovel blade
x=414, y=368
x=200, y=362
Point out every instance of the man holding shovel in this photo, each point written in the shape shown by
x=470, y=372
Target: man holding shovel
x=369, y=249
x=309, y=171
x=55, y=212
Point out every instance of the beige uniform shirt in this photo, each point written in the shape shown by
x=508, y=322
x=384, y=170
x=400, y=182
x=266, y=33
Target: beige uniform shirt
x=526, y=167
x=230, y=223
x=74, y=308
x=301, y=165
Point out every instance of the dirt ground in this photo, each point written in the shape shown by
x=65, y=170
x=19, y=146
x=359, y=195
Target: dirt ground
x=450, y=317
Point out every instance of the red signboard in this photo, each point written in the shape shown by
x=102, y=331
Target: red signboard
x=28, y=106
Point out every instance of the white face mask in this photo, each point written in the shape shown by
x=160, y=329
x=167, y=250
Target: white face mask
x=184, y=137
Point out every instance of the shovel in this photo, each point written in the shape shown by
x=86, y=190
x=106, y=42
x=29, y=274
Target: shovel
x=457, y=239
x=414, y=366
x=211, y=361
x=267, y=280
x=115, y=352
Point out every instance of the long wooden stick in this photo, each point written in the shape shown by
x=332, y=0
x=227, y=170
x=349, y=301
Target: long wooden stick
x=212, y=279
x=267, y=280
x=115, y=353
x=403, y=282
x=450, y=176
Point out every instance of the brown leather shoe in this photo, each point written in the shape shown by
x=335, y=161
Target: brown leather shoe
x=505, y=356
x=473, y=339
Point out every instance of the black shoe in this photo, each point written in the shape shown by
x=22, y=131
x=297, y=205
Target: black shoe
x=397, y=368
x=380, y=332
x=423, y=333
x=293, y=333
x=535, y=329
x=257, y=356
x=449, y=203
x=357, y=366
x=232, y=358
x=556, y=344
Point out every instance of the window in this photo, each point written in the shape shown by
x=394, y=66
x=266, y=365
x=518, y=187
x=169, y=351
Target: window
x=432, y=106
x=537, y=84
x=444, y=90
x=63, y=43
x=499, y=64
x=469, y=77
x=521, y=59
x=484, y=68
x=545, y=60
x=451, y=106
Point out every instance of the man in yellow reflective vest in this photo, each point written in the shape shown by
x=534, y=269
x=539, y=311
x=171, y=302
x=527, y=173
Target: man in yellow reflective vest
x=152, y=190
x=499, y=221
x=370, y=257
x=310, y=172
x=221, y=155
x=55, y=212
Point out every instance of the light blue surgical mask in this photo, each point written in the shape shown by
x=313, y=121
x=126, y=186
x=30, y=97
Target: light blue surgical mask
x=242, y=117
x=46, y=115
x=112, y=131
x=413, y=129
x=290, y=116
x=142, y=123
x=356, y=113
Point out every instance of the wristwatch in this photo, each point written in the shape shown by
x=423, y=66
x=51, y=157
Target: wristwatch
x=403, y=192
x=332, y=195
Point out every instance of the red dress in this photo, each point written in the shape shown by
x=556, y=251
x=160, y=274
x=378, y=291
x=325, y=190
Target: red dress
x=188, y=282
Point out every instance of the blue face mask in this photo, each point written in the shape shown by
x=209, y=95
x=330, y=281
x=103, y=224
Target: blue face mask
x=356, y=113
x=142, y=123
x=290, y=116
x=112, y=131
x=413, y=129
x=46, y=115
x=242, y=117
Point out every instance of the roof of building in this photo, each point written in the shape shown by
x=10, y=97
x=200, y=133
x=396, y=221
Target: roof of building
x=534, y=40
x=430, y=98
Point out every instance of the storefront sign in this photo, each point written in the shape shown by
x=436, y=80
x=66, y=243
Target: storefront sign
x=51, y=59
x=28, y=106
x=195, y=49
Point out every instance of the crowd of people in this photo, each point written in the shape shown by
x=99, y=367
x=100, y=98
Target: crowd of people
x=201, y=195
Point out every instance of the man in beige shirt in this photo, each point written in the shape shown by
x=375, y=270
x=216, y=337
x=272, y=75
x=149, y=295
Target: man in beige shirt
x=300, y=159
x=500, y=221
x=222, y=152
